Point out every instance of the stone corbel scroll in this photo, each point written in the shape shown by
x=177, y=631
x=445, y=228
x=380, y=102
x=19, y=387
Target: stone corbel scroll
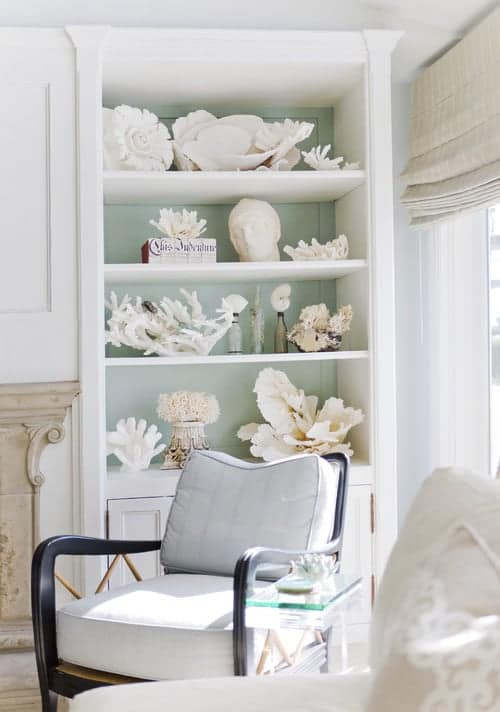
x=31, y=417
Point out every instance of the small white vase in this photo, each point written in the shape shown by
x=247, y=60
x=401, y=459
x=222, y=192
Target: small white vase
x=186, y=436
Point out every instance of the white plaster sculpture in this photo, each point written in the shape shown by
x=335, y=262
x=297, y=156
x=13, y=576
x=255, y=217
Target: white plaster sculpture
x=280, y=297
x=336, y=249
x=318, y=330
x=133, y=444
x=184, y=225
x=135, y=139
x=294, y=423
x=169, y=328
x=318, y=159
x=236, y=143
x=255, y=230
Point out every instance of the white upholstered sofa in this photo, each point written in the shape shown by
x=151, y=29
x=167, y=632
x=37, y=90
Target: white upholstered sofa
x=435, y=636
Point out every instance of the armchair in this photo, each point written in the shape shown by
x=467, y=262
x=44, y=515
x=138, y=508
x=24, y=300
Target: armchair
x=231, y=524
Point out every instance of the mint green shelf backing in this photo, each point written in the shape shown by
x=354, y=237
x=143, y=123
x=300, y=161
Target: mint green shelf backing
x=134, y=392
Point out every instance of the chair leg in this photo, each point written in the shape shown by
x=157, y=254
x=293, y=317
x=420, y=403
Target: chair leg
x=49, y=701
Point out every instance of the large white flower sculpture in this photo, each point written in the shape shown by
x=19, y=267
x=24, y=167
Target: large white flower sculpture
x=294, y=423
x=135, y=139
x=236, y=143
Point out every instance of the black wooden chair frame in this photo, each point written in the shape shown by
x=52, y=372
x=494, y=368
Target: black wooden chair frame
x=56, y=678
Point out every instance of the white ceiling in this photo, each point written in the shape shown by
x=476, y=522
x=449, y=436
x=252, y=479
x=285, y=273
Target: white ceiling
x=430, y=26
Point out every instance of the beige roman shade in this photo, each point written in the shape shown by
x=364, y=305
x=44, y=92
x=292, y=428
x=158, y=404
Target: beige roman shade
x=454, y=163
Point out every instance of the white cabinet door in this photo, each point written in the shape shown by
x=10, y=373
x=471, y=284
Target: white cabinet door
x=141, y=518
x=38, y=266
x=357, y=549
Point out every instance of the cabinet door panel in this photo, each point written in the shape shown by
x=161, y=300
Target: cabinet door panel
x=357, y=549
x=142, y=518
x=38, y=277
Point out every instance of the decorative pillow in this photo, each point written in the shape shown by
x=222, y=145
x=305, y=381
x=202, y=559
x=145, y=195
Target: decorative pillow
x=447, y=498
x=224, y=506
x=441, y=649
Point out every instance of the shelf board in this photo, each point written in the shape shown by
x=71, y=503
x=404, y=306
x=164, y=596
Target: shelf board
x=219, y=187
x=230, y=271
x=233, y=358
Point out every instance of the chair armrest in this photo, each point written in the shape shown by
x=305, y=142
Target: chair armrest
x=244, y=577
x=43, y=595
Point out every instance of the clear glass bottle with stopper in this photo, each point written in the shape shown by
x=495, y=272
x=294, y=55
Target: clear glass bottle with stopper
x=237, y=303
x=234, y=336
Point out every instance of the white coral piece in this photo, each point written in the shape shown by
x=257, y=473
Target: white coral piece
x=188, y=406
x=318, y=159
x=318, y=330
x=336, y=249
x=236, y=302
x=238, y=142
x=167, y=329
x=280, y=297
x=135, y=139
x=294, y=424
x=354, y=166
x=184, y=225
x=133, y=444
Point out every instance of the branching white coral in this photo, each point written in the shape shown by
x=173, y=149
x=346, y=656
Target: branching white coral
x=294, y=423
x=183, y=225
x=133, y=445
x=168, y=328
x=188, y=406
x=280, y=297
x=135, y=139
x=336, y=249
x=318, y=330
x=318, y=159
x=239, y=142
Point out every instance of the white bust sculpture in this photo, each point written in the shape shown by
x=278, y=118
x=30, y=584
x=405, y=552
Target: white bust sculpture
x=255, y=229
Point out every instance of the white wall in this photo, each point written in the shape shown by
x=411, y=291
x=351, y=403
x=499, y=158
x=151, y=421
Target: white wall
x=413, y=450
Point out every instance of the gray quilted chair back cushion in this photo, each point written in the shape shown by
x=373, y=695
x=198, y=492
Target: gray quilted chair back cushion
x=224, y=506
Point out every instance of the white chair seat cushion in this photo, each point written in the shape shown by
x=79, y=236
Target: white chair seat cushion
x=287, y=693
x=171, y=627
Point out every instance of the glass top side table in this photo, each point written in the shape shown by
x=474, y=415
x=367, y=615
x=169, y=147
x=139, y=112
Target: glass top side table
x=321, y=614
x=269, y=608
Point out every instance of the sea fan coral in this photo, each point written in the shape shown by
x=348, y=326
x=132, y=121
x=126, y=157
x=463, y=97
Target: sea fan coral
x=294, y=423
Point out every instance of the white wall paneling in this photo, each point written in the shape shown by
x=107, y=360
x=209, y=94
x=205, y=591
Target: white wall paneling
x=38, y=285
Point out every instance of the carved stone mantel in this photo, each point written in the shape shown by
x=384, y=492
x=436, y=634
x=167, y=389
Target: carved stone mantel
x=31, y=417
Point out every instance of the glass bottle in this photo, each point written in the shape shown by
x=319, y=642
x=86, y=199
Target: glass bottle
x=234, y=336
x=257, y=324
x=280, y=335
